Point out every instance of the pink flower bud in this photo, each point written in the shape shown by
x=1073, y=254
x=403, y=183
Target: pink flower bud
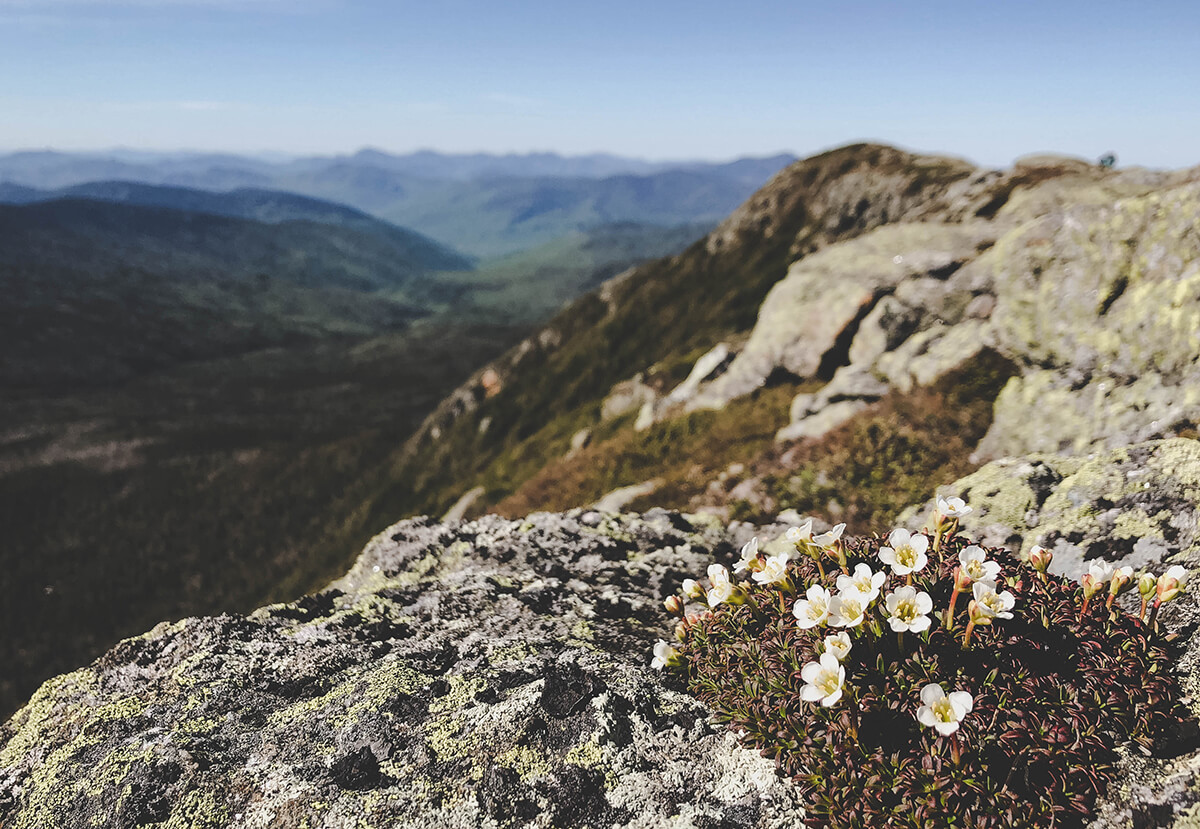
x=1040, y=558
x=1170, y=583
x=979, y=613
x=1122, y=581
x=673, y=604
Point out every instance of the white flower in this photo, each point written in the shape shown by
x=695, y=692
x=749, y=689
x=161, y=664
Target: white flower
x=863, y=582
x=717, y=574
x=721, y=591
x=838, y=644
x=749, y=554
x=827, y=540
x=774, y=569
x=992, y=605
x=846, y=610
x=692, y=589
x=664, y=655
x=800, y=534
x=953, y=507
x=907, y=609
x=975, y=566
x=941, y=712
x=825, y=679
x=814, y=610
x=906, y=553
x=1099, y=572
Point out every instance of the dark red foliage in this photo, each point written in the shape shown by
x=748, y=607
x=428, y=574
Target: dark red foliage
x=1053, y=697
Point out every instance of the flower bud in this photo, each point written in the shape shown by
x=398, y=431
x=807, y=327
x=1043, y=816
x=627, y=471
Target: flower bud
x=1122, y=581
x=1147, y=584
x=1170, y=584
x=979, y=613
x=1040, y=558
x=673, y=604
x=1093, y=581
x=962, y=582
x=692, y=589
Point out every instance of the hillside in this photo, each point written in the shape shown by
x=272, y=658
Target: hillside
x=97, y=291
x=833, y=308
x=200, y=392
x=870, y=329
x=267, y=206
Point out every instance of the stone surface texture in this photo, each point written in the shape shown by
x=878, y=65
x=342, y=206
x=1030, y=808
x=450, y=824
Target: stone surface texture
x=483, y=674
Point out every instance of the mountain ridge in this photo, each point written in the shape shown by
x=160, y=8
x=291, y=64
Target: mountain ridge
x=483, y=207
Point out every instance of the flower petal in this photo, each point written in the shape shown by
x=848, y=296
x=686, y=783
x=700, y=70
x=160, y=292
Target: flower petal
x=962, y=703
x=931, y=693
x=810, y=693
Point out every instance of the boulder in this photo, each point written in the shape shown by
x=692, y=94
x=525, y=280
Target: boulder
x=1101, y=305
x=809, y=319
x=490, y=673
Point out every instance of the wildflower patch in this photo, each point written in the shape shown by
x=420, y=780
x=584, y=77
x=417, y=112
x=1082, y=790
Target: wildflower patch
x=921, y=680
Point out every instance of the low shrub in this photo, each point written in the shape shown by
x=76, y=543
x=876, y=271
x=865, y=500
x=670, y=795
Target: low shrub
x=920, y=680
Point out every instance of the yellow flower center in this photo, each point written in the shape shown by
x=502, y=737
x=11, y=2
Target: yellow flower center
x=943, y=710
x=827, y=682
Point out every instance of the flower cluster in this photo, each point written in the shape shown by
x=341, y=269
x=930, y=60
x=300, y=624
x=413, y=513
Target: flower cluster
x=920, y=674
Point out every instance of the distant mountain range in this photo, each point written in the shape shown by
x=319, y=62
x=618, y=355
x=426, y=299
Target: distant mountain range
x=484, y=205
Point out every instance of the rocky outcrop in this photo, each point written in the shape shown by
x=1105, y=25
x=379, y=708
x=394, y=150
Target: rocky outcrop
x=493, y=673
x=1102, y=306
x=1089, y=282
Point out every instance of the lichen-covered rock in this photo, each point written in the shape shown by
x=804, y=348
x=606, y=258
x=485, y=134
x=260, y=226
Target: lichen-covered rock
x=1138, y=506
x=811, y=316
x=1102, y=307
x=485, y=674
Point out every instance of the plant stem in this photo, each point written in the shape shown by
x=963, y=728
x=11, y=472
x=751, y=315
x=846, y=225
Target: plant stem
x=1154, y=615
x=950, y=610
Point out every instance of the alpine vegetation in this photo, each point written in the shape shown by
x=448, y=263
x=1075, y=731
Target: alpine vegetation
x=921, y=680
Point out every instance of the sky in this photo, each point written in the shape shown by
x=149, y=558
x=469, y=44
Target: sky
x=657, y=79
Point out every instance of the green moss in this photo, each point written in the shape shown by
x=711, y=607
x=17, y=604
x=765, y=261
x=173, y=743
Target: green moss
x=42, y=714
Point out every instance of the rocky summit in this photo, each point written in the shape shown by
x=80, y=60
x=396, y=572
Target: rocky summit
x=496, y=672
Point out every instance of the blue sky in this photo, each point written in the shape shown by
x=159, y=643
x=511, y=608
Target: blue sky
x=986, y=80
